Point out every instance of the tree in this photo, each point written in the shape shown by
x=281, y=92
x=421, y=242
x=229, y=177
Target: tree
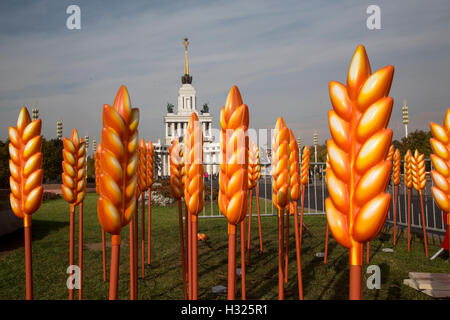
x=4, y=164
x=52, y=159
x=418, y=139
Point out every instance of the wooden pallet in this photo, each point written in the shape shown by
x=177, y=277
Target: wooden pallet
x=436, y=285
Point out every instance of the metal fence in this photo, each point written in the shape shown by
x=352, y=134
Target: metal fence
x=316, y=192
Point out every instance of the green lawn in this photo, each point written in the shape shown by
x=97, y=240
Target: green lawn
x=163, y=278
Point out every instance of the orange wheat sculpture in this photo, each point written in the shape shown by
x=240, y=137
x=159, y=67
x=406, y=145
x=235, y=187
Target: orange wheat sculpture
x=73, y=185
x=254, y=173
x=193, y=191
x=419, y=182
x=409, y=184
x=233, y=191
x=304, y=181
x=390, y=153
x=143, y=187
x=98, y=172
x=150, y=180
x=281, y=192
x=177, y=188
x=358, y=174
x=396, y=181
x=295, y=193
x=327, y=231
x=26, y=180
x=118, y=160
x=440, y=143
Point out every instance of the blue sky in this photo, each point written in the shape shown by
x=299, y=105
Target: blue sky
x=281, y=55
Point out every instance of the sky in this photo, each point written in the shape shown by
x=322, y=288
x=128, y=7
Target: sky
x=281, y=55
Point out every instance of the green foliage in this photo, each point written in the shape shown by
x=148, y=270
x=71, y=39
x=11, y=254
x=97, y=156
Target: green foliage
x=418, y=139
x=52, y=159
x=90, y=168
x=4, y=164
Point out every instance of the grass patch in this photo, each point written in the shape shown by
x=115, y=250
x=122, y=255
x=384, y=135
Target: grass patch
x=163, y=279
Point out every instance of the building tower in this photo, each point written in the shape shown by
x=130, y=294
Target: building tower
x=176, y=123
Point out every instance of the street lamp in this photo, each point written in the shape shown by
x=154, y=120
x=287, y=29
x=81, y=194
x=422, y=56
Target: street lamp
x=86, y=142
x=315, y=140
x=405, y=117
x=94, y=144
x=59, y=129
x=35, y=114
x=299, y=143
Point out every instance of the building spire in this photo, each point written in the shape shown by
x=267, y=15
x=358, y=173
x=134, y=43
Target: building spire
x=186, y=78
x=186, y=63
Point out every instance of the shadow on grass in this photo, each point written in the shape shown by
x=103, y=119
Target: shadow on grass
x=40, y=229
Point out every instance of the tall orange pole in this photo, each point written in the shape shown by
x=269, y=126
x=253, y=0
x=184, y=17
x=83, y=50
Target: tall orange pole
x=280, y=254
x=132, y=262
x=182, y=250
x=358, y=175
x=243, y=289
x=259, y=220
x=71, y=244
x=28, y=263
x=286, y=252
x=231, y=292
x=233, y=191
x=249, y=225
x=104, y=254
x=281, y=186
x=325, y=258
x=117, y=202
x=80, y=249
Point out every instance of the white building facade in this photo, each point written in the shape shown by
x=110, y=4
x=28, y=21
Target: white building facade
x=175, y=126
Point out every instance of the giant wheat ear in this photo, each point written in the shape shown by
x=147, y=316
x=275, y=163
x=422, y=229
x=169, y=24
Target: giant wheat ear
x=73, y=185
x=358, y=174
x=25, y=166
x=280, y=165
x=233, y=175
x=440, y=143
x=176, y=168
x=118, y=182
x=253, y=165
